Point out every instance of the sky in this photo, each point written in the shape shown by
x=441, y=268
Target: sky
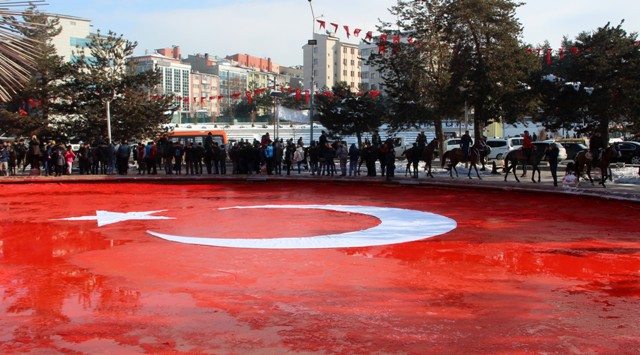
x=278, y=29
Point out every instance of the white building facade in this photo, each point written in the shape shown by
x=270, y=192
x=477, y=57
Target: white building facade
x=333, y=61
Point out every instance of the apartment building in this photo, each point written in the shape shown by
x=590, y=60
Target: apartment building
x=333, y=61
x=176, y=80
x=370, y=75
x=74, y=38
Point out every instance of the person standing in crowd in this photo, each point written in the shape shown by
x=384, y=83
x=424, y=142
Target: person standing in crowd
x=150, y=156
x=122, y=157
x=178, y=156
x=142, y=164
x=277, y=158
x=343, y=154
x=34, y=153
x=189, y=158
x=354, y=155
x=289, y=151
x=69, y=157
x=222, y=160
x=298, y=157
x=111, y=158
x=390, y=159
x=199, y=155
x=83, y=159
x=268, y=157
x=22, y=150
x=57, y=156
x=465, y=144
x=13, y=158
x=314, y=158
x=4, y=159
x=551, y=153
x=329, y=155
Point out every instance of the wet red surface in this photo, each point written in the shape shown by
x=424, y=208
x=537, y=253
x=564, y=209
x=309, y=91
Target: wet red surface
x=521, y=273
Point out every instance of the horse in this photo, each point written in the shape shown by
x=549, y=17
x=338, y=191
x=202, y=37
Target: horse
x=413, y=158
x=427, y=155
x=456, y=156
x=605, y=162
x=584, y=162
x=582, y=165
x=514, y=157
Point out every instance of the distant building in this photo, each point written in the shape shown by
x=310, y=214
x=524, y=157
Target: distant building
x=74, y=37
x=255, y=63
x=371, y=79
x=176, y=80
x=333, y=62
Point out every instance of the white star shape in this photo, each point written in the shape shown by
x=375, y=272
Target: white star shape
x=107, y=217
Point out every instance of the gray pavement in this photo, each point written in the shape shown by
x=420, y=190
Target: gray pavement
x=495, y=181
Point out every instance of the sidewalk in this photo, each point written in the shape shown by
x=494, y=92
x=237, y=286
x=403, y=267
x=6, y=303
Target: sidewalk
x=628, y=192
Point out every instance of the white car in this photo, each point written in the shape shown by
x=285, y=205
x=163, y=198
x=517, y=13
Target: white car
x=501, y=146
x=452, y=144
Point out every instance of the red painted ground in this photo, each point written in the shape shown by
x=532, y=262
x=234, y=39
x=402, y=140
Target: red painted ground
x=521, y=273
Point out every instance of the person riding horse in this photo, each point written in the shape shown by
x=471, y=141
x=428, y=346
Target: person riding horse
x=595, y=147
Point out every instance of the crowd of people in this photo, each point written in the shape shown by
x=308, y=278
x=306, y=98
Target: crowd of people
x=267, y=156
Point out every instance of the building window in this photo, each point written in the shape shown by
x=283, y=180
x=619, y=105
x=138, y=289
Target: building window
x=344, y=73
x=344, y=50
x=344, y=62
x=353, y=51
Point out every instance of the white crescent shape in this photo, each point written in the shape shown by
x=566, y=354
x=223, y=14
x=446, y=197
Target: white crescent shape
x=397, y=226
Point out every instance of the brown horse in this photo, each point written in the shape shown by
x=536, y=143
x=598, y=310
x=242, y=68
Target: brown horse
x=514, y=157
x=427, y=155
x=605, y=162
x=413, y=158
x=583, y=161
x=456, y=156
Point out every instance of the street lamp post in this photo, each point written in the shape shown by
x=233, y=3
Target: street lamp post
x=109, y=120
x=312, y=44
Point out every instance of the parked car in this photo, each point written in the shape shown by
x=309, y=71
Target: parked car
x=451, y=144
x=573, y=148
x=542, y=145
x=630, y=152
x=501, y=146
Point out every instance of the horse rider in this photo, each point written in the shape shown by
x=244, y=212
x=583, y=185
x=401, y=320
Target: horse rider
x=421, y=139
x=465, y=143
x=595, y=147
x=527, y=145
x=376, y=141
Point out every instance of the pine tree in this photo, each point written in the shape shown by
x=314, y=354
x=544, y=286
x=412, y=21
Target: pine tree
x=105, y=76
x=595, y=84
x=344, y=113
